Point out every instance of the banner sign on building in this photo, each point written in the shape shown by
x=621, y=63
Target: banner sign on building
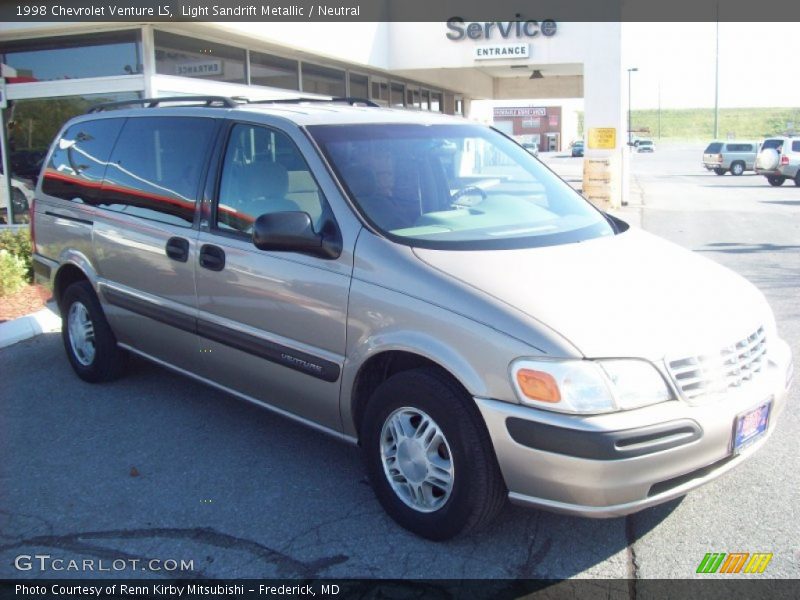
x=521, y=111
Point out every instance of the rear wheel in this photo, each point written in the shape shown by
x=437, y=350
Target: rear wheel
x=429, y=457
x=737, y=168
x=90, y=344
x=719, y=171
x=776, y=180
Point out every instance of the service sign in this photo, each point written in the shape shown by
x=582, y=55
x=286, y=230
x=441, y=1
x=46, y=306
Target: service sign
x=500, y=51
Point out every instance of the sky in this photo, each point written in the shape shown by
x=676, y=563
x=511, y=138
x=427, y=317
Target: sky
x=755, y=64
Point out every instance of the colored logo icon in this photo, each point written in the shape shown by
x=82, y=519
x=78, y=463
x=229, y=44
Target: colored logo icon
x=737, y=562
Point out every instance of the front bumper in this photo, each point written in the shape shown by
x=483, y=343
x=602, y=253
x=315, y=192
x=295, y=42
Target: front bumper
x=616, y=464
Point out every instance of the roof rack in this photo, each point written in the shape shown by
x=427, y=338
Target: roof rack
x=209, y=101
x=352, y=101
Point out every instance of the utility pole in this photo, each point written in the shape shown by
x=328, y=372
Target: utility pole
x=716, y=82
x=630, y=132
x=659, y=108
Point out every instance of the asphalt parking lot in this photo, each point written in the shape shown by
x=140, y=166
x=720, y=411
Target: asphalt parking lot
x=158, y=466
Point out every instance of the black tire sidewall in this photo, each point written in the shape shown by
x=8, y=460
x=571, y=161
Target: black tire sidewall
x=443, y=404
x=107, y=355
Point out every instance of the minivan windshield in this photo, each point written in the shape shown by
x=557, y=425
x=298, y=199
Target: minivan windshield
x=455, y=187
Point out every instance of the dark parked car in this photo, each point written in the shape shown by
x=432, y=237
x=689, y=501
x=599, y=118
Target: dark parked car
x=577, y=149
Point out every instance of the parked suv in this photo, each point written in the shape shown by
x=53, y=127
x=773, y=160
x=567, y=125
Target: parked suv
x=779, y=160
x=414, y=284
x=736, y=157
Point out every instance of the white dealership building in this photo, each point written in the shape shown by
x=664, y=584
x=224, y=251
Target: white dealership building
x=54, y=70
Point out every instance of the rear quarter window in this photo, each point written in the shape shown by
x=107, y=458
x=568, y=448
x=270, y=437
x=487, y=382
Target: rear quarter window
x=78, y=162
x=796, y=146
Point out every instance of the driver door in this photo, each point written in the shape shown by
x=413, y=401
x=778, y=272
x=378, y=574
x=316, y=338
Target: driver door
x=271, y=324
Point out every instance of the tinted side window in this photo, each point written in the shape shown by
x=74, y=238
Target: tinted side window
x=740, y=148
x=796, y=146
x=76, y=167
x=154, y=171
x=264, y=172
x=714, y=148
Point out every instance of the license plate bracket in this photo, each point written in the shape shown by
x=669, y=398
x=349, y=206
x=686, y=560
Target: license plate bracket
x=751, y=425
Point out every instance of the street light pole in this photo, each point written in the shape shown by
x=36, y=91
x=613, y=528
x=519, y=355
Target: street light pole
x=716, y=82
x=630, y=133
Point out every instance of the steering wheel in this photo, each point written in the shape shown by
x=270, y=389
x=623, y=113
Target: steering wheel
x=470, y=190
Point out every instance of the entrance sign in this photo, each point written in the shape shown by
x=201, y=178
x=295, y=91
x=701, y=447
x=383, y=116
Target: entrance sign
x=502, y=51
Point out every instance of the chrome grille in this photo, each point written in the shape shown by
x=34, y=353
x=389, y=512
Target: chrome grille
x=718, y=372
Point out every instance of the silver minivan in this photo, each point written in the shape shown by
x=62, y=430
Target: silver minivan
x=415, y=284
x=735, y=157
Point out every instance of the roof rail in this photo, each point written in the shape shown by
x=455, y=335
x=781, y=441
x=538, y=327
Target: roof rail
x=154, y=102
x=352, y=101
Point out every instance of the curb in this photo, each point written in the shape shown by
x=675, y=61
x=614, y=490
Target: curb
x=23, y=328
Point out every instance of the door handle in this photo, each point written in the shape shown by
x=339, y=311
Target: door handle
x=178, y=249
x=212, y=257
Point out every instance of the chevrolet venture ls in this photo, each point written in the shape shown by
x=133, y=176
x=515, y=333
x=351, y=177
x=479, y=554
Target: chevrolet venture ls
x=413, y=283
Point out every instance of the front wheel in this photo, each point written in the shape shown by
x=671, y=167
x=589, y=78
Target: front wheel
x=797, y=178
x=429, y=457
x=776, y=180
x=737, y=169
x=90, y=344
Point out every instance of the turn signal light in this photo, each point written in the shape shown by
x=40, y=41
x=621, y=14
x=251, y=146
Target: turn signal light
x=538, y=385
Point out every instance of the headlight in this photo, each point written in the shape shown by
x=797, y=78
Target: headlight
x=588, y=386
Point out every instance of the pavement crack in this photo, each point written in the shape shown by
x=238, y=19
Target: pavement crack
x=287, y=565
x=534, y=555
x=632, y=563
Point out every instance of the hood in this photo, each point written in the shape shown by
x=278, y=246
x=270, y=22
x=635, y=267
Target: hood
x=628, y=295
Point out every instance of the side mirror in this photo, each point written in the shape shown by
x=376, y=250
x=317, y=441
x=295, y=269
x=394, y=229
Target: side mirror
x=292, y=231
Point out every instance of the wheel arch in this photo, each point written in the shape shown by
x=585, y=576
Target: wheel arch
x=73, y=267
x=382, y=364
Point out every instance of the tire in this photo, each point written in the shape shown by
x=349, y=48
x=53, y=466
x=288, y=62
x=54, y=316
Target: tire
x=776, y=180
x=425, y=400
x=88, y=340
x=797, y=178
x=737, y=169
x=719, y=171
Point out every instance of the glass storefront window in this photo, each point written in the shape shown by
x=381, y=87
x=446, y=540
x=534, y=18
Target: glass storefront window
x=191, y=57
x=273, y=71
x=73, y=57
x=436, y=102
x=359, y=86
x=31, y=126
x=322, y=80
x=380, y=90
x=398, y=94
